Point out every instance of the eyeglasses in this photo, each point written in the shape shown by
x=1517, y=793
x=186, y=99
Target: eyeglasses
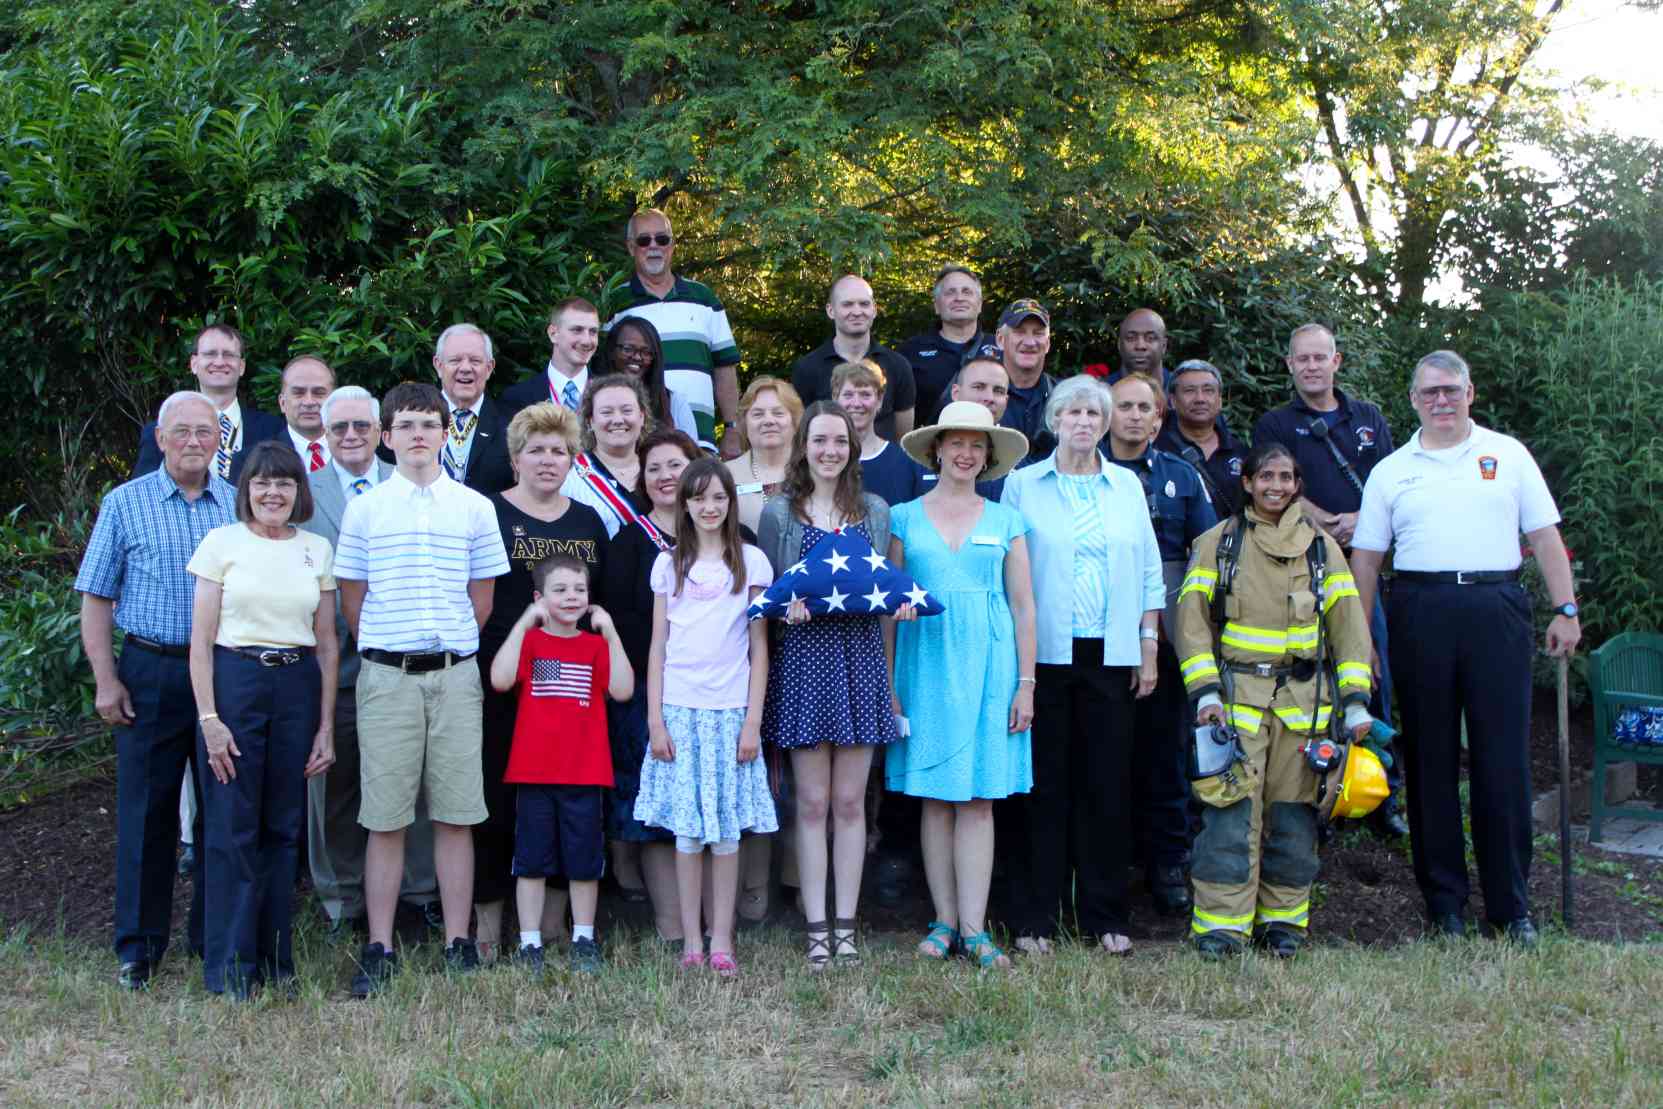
x=1440, y=392
x=633, y=354
x=662, y=239
x=217, y=355
x=362, y=427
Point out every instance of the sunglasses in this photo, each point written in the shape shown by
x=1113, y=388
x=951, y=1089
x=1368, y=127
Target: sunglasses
x=662, y=239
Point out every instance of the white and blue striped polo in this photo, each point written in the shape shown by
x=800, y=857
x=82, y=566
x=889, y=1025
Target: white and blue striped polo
x=418, y=548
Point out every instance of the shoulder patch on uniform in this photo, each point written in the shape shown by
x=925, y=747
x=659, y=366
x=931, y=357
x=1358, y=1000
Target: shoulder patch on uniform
x=1487, y=467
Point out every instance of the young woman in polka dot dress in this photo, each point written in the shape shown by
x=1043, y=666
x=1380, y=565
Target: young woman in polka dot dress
x=828, y=700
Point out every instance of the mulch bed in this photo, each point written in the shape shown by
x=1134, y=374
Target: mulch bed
x=57, y=870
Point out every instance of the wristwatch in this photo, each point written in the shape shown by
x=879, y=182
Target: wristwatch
x=1149, y=634
x=1567, y=609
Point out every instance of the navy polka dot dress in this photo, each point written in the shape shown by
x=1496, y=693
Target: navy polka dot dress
x=827, y=682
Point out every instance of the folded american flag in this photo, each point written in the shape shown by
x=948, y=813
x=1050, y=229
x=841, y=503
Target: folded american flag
x=843, y=575
x=551, y=677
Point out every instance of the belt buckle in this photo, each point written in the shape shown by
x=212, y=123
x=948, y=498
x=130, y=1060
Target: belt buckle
x=1462, y=579
x=404, y=662
x=1263, y=670
x=271, y=658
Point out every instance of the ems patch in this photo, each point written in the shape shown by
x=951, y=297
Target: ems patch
x=1487, y=467
x=1235, y=467
x=1365, y=438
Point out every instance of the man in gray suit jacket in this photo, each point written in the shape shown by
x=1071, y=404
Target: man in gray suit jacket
x=334, y=839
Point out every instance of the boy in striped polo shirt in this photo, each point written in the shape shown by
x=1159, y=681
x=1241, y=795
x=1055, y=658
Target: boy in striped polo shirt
x=701, y=359
x=417, y=563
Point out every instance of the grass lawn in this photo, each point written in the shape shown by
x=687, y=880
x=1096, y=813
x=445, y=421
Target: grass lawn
x=1465, y=1023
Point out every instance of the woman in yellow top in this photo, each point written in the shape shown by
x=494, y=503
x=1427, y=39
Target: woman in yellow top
x=1250, y=627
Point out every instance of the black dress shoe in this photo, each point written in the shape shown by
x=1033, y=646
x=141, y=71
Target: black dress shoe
x=134, y=975
x=1521, y=932
x=187, y=859
x=1170, y=890
x=1448, y=925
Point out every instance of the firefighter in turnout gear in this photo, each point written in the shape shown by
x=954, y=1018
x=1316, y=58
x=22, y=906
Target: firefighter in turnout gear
x=1268, y=597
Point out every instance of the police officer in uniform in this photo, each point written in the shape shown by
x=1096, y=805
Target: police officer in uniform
x=1180, y=510
x=1254, y=631
x=1337, y=439
x=1196, y=431
x=1452, y=503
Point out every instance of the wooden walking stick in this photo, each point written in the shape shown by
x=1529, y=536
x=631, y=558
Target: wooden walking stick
x=1565, y=899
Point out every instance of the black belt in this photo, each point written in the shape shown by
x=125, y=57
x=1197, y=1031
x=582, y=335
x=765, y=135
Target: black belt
x=159, y=648
x=1300, y=670
x=414, y=662
x=270, y=656
x=1457, y=577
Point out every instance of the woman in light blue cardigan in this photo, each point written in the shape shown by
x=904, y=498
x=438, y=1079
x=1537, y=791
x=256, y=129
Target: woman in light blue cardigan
x=1098, y=593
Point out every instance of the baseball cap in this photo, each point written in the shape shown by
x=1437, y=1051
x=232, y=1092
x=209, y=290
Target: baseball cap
x=1019, y=310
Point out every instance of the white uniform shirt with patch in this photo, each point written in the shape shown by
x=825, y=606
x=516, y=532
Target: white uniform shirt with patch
x=1458, y=508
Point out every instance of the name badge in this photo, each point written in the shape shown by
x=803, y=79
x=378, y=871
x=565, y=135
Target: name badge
x=987, y=541
x=749, y=487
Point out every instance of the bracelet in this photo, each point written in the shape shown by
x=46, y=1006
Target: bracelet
x=1149, y=635
x=207, y=716
x=1030, y=681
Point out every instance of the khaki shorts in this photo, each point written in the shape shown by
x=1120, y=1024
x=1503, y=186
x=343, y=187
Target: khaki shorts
x=415, y=731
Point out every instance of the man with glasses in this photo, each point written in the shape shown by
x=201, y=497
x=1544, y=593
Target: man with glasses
x=1337, y=439
x=133, y=577
x=1453, y=503
x=351, y=421
x=417, y=565
x=217, y=364
x=701, y=359
x=1195, y=431
x=574, y=334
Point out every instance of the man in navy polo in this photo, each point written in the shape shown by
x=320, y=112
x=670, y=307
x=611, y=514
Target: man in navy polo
x=1337, y=439
x=853, y=309
x=938, y=354
x=133, y=577
x=1180, y=511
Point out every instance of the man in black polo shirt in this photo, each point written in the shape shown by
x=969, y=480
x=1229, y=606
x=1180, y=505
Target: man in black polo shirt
x=1336, y=440
x=938, y=354
x=1195, y=431
x=852, y=309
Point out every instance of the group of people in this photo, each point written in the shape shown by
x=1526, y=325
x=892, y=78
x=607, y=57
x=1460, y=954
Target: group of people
x=520, y=647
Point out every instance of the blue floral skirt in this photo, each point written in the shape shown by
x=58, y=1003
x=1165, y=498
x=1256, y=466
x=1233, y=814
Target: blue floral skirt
x=705, y=792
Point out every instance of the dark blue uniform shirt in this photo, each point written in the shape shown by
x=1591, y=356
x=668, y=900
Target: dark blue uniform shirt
x=1179, y=506
x=1358, y=429
x=1223, y=468
x=935, y=362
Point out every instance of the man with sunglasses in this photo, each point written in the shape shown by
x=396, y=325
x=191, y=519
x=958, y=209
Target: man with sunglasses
x=701, y=358
x=1452, y=504
x=217, y=364
x=351, y=418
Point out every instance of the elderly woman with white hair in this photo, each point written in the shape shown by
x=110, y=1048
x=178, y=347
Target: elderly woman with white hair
x=1098, y=595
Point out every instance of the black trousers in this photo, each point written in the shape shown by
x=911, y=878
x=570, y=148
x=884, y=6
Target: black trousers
x=493, y=838
x=153, y=755
x=1078, y=815
x=253, y=822
x=1160, y=814
x=1465, y=650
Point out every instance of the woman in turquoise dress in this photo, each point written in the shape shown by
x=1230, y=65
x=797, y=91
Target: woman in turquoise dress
x=964, y=680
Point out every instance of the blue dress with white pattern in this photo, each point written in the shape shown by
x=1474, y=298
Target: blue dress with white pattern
x=827, y=680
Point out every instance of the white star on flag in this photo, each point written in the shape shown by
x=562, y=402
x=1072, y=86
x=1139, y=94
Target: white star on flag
x=799, y=568
x=875, y=599
x=875, y=560
x=917, y=596
x=835, y=599
x=838, y=561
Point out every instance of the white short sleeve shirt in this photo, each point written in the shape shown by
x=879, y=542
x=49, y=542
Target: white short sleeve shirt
x=1458, y=508
x=419, y=548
